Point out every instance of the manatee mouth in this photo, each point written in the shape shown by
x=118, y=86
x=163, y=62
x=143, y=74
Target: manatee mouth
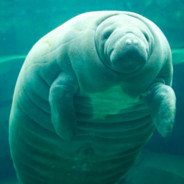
x=128, y=55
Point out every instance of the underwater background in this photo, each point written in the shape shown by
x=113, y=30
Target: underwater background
x=23, y=22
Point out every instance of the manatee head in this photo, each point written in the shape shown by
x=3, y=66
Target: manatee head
x=123, y=43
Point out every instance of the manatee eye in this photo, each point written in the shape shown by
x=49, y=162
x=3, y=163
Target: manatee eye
x=146, y=36
x=107, y=34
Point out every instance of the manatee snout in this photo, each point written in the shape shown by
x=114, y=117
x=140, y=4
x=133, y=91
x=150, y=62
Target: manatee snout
x=128, y=54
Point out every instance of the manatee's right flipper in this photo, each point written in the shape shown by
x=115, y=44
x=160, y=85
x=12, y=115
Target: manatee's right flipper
x=63, y=114
x=161, y=101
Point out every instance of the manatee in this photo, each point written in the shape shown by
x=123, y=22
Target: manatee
x=88, y=97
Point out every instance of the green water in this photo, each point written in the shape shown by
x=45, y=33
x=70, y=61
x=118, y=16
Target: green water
x=24, y=22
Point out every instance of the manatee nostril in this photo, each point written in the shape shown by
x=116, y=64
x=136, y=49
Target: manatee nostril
x=135, y=41
x=128, y=42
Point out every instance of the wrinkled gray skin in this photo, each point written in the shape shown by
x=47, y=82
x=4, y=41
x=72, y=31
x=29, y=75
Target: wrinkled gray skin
x=88, y=98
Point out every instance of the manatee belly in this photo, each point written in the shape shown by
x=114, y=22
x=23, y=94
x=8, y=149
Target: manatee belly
x=106, y=146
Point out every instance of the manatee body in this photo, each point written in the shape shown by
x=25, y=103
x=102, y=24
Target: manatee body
x=88, y=97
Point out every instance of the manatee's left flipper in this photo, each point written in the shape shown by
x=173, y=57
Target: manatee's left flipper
x=61, y=96
x=161, y=101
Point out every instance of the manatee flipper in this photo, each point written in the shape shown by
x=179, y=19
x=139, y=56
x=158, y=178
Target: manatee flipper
x=62, y=107
x=161, y=101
